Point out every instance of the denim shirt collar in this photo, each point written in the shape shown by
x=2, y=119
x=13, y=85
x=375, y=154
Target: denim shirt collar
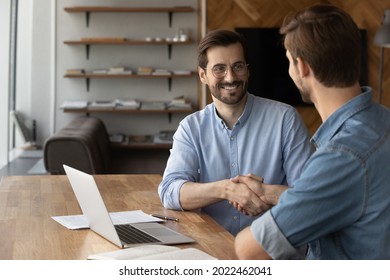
x=244, y=116
x=329, y=128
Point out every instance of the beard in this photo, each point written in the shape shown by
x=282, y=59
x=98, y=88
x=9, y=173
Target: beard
x=305, y=93
x=235, y=92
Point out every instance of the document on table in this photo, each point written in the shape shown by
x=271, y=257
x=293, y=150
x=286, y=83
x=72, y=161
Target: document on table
x=118, y=218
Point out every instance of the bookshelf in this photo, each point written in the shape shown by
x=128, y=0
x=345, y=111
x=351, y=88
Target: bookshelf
x=128, y=40
x=89, y=76
x=124, y=42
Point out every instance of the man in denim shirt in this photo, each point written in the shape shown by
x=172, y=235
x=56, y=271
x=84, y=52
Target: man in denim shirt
x=340, y=205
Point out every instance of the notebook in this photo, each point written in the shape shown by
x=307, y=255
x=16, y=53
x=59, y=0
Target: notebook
x=128, y=235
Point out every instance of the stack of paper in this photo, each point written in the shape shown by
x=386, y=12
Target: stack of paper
x=179, y=103
x=153, y=105
x=127, y=104
x=102, y=104
x=153, y=252
x=161, y=72
x=74, y=104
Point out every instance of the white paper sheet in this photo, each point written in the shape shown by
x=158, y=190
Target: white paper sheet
x=124, y=217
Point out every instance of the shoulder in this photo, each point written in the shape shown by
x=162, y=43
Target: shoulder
x=199, y=118
x=274, y=106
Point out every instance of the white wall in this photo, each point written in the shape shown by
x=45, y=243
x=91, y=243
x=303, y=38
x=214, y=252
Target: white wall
x=35, y=47
x=5, y=12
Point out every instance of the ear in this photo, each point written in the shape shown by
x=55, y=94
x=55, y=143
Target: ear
x=202, y=75
x=303, y=67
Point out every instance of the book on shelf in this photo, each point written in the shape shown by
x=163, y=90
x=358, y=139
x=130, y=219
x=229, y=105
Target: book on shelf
x=123, y=104
x=153, y=252
x=99, y=71
x=74, y=104
x=153, y=105
x=161, y=72
x=140, y=139
x=182, y=72
x=102, y=104
x=119, y=71
x=117, y=138
x=75, y=71
x=164, y=137
x=179, y=103
x=145, y=71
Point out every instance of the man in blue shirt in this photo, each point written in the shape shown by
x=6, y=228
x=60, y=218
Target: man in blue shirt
x=238, y=133
x=340, y=205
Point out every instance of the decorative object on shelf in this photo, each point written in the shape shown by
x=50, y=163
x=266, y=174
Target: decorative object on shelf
x=382, y=39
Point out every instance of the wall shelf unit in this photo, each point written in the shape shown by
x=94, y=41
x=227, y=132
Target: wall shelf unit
x=135, y=48
x=106, y=9
x=89, y=76
x=169, y=112
x=124, y=42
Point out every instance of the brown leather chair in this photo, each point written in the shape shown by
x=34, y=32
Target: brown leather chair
x=83, y=144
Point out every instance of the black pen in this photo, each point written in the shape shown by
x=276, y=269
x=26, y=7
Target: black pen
x=165, y=217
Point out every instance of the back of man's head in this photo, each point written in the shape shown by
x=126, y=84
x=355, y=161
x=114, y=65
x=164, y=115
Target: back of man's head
x=328, y=39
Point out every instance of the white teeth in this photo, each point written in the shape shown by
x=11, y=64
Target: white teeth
x=229, y=87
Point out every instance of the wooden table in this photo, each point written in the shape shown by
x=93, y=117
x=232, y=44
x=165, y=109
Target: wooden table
x=28, y=232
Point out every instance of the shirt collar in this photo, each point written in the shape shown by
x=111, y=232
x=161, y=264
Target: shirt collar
x=329, y=128
x=244, y=116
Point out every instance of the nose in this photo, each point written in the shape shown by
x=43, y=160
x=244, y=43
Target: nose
x=230, y=75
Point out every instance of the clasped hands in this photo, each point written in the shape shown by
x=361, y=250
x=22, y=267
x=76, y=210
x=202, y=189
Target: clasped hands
x=252, y=197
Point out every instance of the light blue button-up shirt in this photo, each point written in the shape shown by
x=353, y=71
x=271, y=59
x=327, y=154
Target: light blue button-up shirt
x=269, y=140
x=340, y=205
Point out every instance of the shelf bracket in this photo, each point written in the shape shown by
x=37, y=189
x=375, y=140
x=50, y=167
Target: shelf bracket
x=169, y=51
x=87, y=16
x=169, y=84
x=170, y=117
x=170, y=19
x=87, y=48
x=87, y=82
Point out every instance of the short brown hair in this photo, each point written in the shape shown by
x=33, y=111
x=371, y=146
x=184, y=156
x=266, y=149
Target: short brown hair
x=219, y=37
x=328, y=39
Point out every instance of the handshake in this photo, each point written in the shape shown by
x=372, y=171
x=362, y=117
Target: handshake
x=249, y=195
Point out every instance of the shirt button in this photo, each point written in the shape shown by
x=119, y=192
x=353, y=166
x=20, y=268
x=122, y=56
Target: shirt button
x=234, y=165
x=235, y=217
x=231, y=138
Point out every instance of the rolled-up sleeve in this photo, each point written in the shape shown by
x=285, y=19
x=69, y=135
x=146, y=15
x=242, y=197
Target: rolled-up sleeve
x=268, y=235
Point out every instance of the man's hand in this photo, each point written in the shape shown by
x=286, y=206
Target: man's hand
x=256, y=186
x=245, y=199
x=269, y=194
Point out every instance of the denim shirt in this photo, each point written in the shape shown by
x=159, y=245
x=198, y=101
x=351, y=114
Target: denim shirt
x=269, y=140
x=340, y=206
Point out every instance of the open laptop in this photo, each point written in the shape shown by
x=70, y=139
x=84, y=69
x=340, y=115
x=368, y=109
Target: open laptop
x=95, y=211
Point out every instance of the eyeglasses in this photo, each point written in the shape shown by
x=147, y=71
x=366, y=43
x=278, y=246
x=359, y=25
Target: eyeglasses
x=220, y=70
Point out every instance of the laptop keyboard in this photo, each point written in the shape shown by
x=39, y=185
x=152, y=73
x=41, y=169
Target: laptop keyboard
x=131, y=235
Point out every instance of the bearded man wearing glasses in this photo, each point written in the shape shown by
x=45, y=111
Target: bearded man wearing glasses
x=237, y=134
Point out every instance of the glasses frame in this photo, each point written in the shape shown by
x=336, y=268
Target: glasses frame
x=231, y=67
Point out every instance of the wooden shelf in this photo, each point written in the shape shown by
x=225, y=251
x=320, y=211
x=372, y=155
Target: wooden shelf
x=88, y=111
x=110, y=9
x=88, y=76
x=128, y=111
x=157, y=146
x=107, y=9
x=125, y=42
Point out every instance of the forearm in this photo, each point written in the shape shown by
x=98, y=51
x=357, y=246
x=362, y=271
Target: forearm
x=197, y=195
x=272, y=193
x=247, y=248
